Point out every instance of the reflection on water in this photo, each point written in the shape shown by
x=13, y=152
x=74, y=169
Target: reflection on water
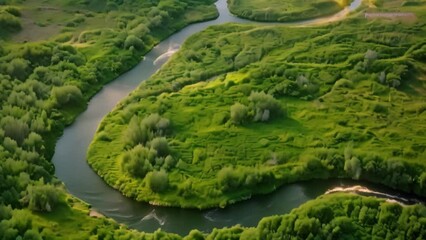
x=81, y=181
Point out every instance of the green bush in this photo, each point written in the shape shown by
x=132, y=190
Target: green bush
x=42, y=197
x=160, y=145
x=239, y=113
x=137, y=161
x=67, y=95
x=158, y=181
x=133, y=41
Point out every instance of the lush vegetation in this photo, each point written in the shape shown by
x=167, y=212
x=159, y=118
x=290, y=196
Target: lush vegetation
x=240, y=111
x=45, y=83
x=249, y=108
x=285, y=11
x=337, y=216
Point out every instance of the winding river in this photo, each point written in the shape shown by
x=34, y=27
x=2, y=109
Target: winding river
x=81, y=181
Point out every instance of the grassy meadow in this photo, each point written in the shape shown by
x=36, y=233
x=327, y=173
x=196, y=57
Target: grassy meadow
x=240, y=114
x=285, y=11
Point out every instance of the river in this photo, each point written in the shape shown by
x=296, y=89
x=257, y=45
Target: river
x=84, y=183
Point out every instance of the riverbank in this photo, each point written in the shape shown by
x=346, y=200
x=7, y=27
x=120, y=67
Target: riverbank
x=289, y=11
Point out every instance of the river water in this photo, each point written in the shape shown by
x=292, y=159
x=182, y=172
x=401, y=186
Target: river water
x=83, y=182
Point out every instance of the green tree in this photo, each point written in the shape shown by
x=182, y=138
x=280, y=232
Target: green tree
x=239, y=113
x=18, y=68
x=43, y=197
x=353, y=167
x=137, y=161
x=158, y=181
x=264, y=105
x=160, y=145
x=133, y=41
x=67, y=95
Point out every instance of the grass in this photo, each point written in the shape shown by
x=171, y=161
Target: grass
x=284, y=11
x=343, y=111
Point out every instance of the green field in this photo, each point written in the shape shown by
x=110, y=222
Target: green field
x=240, y=114
x=285, y=10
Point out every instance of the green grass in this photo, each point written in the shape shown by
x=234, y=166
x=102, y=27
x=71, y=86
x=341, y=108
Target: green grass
x=342, y=113
x=284, y=11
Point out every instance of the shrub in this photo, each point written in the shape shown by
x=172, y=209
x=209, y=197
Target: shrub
x=158, y=181
x=67, y=95
x=161, y=145
x=42, y=197
x=239, y=113
x=9, y=22
x=229, y=178
x=137, y=162
x=264, y=104
x=133, y=41
x=135, y=133
x=18, y=68
x=15, y=129
x=353, y=167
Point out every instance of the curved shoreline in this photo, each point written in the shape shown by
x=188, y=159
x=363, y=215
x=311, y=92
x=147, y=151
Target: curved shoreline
x=365, y=191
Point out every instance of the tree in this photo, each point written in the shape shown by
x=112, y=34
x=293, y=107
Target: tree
x=137, y=162
x=135, y=133
x=15, y=129
x=353, y=167
x=369, y=58
x=264, y=105
x=18, y=68
x=239, y=113
x=229, y=178
x=133, y=41
x=161, y=145
x=66, y=95
x=42, y=197
x=158, y=181
x=170, y=162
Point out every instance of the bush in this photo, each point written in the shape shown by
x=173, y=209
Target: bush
x=160, y=145
x=239, y=113
x=229, y=178
x=9, y=22
x=264, y=104
x=135, y=133
x=158, y=181
x=42, y=197
x=18, y=68
x=15, y=129
x=133, y=41
x=67, y=95
x=353, y=167
x=137, y=162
